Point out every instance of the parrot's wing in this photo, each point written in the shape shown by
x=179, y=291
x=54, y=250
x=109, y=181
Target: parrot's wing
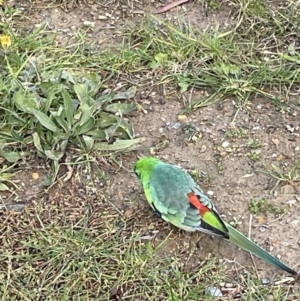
x=183, y=206
x=211, y=219
x=211, y=222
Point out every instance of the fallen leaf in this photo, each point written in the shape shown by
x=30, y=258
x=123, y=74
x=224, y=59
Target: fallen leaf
x=35, y=175
x=261, y=220
x=118, y=145
x=275, y=141
x=69, y=173
x=181, y=117
x=114, y=293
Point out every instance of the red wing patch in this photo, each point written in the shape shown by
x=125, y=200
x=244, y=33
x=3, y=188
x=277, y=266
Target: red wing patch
x=196, y=202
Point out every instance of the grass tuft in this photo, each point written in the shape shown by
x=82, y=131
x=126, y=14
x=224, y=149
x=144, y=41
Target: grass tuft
x=87, y=251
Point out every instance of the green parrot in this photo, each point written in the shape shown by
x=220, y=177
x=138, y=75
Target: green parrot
x=177, y=198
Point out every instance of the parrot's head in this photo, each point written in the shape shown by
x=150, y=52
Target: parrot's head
x=143, y=168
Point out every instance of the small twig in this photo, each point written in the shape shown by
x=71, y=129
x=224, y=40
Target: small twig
x=170, y=6
x=235, y=115
x=69, y=173
x=288, y=279
x=249, y=236
x=276, y=219
x=120, y=212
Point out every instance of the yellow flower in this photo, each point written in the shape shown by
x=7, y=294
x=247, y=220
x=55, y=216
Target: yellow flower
x=1, y=2
x=5, y=41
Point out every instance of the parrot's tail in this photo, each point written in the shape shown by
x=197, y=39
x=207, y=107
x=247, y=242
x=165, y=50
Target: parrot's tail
x=245, y=243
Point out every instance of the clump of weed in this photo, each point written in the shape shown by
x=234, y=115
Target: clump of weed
x=52, y=110
x=254, y=155
x=264, y=207
x=237, y=133
x=284, y=174
x=254, y=143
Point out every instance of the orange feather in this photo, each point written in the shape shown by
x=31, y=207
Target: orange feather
x=196, y=201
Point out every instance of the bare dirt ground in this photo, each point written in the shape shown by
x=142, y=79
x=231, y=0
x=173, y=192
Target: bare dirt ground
x=200, y=142
x=106, y=19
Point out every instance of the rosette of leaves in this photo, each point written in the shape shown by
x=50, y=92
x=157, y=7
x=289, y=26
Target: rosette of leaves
x=61, y=112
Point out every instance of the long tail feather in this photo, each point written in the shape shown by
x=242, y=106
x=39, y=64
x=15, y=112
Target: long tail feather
x=245, y=243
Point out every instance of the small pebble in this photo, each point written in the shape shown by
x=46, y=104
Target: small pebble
x=213, y=291
x=176, y=126
x=225, y=144
x=291, y=202
x=229, y=285
x=290, y=128
x=210, y=192
x=265, y=281
x=89, y=23
x=262, y=229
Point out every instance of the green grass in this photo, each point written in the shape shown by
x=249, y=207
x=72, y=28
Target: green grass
x=88, y=251
x=74, y=250
x=228, y=64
